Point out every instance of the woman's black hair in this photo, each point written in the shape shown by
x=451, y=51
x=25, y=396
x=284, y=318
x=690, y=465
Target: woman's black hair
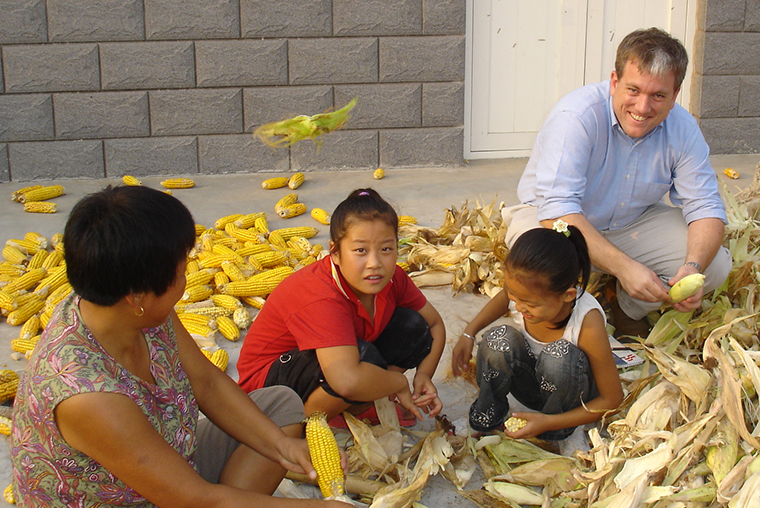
x=125, y=240
x=552, y=259
x=360, y=205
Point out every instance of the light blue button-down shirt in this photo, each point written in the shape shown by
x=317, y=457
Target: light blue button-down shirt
x=583, y=162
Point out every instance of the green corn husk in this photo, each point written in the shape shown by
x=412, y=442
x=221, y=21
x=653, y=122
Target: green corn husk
x=286, y=132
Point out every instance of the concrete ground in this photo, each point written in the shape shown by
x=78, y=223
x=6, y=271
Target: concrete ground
x=423, y=193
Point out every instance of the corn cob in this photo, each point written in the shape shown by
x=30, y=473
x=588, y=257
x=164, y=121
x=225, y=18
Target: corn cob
x=512, y=424
x=199, y=277
x=26, y=281
x=198, y=329
x=8, y=494
x=288, y=233
x=131, y=180
x=42, y=193
x=270, y=259
x=404, y=265
x=57, y=295
x=278, y=272
x=8, y=385
x=5, y=425
x=36, y=238
x=23, y=345
x=226, y=301
x=24, y=245
x=8, y=268
x=274, y=183
x=40, y=207
x=227, y=219
x=233, y=271
x=308, y=260
x=256, y=302
x=199, y=319
x=321, y=216
x=261, y=225
x=221, y=359
x=731, y=173
x=213, y=311
x=14, y=255
x=250, y=249
x=258, y=285
x=178, y=183
x=290, y=211
x=37, y=260
x=299, y=242
x=228, y=328
x=24, y=312
x=296, y=180
x=199, y=229
x=56, y=239
x=243, y=235
x=230, y=254
x=276, y=240
x=378, y=174
x=192, y=266
x=325, y=456
x=404, y=220
x=53, y=259
x=247, y=221
x=220, y=278
x=196, y=293
x=24, y=297
x=291, y=130
x=16, y=195
x=241, y=317
x=287, y=199
x=59, y=247
x=30, y=328
x=686, y=287
x=55, y=279
x=212, y=260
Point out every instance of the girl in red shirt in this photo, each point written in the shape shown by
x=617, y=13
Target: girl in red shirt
x=342, y=331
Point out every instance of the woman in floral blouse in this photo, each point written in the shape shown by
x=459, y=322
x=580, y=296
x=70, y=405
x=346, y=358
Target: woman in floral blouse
x=107, y=411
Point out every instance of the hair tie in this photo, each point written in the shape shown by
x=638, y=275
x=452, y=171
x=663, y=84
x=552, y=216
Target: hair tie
x=560, y=226
x=364, y=193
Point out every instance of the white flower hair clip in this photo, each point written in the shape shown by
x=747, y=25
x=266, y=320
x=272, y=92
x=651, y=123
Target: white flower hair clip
x=560, y=226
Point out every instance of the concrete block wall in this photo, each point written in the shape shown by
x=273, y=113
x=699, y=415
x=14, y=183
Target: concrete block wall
x=726, y=82
x=96, y=88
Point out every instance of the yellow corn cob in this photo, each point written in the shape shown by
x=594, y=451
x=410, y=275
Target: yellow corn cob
x=278, y=272
x=40, y=207
x=56, y=278
x=220, y=358
x=378, y=174
x=290, y=211
x=243, y=235
x=288, y=233
x=252, y=286
x=198, y=329
x=233, y=271
x=247, y=221
x=226, y=301
x=24, y=312
x=24, y=297
x=196, y=293
x=686, y=287
x=230, y=254
x=38, y=258
x=256, y=302
x=228, y=328
x=53, y=259
x=287, y=199
x=178, y=183
x=731, y=173
x=512, y=424
x=131, y=180
x=406, y=220
x=241, y=318
x=274, y=183
x=404, y=265
x=211, y=260
x=206, y=353
x=56, y=296
x=8, y=494
x=276, y=240
x=261, y=225
x=227, y=219
x=45, y=317
x=5, y=425
x=199, y=229
x=325, y=456
x=220, y=278
x=8, y=385
x=59, y=247
x=296, y=254
x=24, y=245
x=308, y=260
x=7, y=302
x=213, y=311
x=296, y=180
x=199, y=319
x=301, y=243
x=30, y=328
x=251, y=249
x=36, y=238
x=270, y=259
x=23, y=345
x=321, y=216
x=14, y=255
x=192, y=266
x=8, y=268
x=56, y=239
x=42, y=194
x=199, y=277
x=26, y=281
x=16, y=195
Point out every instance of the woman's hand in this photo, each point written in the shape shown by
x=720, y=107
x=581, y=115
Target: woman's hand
x=425, y=395
x=294, y=456
x=538, y=423
x=461, y=355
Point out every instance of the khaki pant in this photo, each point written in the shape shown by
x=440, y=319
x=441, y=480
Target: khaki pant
x=657, y=239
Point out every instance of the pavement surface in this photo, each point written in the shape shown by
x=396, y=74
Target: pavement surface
x=423, y=193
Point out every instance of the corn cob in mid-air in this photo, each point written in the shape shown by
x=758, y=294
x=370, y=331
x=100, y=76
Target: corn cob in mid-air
x=292, y=130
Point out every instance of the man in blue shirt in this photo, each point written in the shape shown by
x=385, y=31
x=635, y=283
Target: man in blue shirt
x=604, y=159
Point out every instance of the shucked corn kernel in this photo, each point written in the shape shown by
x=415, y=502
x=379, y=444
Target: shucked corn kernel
x=513, y=424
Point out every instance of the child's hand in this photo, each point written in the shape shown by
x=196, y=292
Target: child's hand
x=538, y=423
x=425, y=395
x=461, y=355
x=404, y=398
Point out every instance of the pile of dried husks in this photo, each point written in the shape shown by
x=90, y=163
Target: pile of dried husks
x=687, y=434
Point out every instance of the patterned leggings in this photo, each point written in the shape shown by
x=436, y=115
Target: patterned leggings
x=554, y=382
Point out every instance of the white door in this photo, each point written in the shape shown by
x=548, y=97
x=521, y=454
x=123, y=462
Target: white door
x=523, y=55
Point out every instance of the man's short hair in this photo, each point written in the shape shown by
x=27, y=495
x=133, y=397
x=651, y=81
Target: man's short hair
x=655, y=51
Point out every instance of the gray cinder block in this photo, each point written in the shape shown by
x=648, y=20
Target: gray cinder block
x=101, y=115
x=5, y=172
x=52, y=160
x=718, y=97
x=377, y=17
x=286, y=18
x=23, y=21
x=242, y=62
x=330, y=61
x=193, y=112
x=151, y=156
x=444, y=17
x=239, y=153
x=51, y=68
x=26, y=117
x=732, y=135
x=752, y=16
x=271, y=104
x=95, y=20
x=441, y=146
x=382, y=105
x=428, y=58
x=442, y=104
x=721, y=16
x=339, y=150
x=749, y=98
x=730, y=53
x=192, y=19
x=145, y=65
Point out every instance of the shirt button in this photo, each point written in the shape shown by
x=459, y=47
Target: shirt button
x=627, y=177
x=622, y=204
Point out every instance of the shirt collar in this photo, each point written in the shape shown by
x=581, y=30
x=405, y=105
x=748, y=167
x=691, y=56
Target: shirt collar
x=339, y=280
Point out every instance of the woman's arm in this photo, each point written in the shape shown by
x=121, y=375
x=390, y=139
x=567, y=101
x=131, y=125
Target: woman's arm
x=594, y=342
x=491, y=311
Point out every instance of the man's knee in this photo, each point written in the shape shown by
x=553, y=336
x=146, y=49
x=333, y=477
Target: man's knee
x=717, y=273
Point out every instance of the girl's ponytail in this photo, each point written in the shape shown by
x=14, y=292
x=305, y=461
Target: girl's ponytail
x=584, y=259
